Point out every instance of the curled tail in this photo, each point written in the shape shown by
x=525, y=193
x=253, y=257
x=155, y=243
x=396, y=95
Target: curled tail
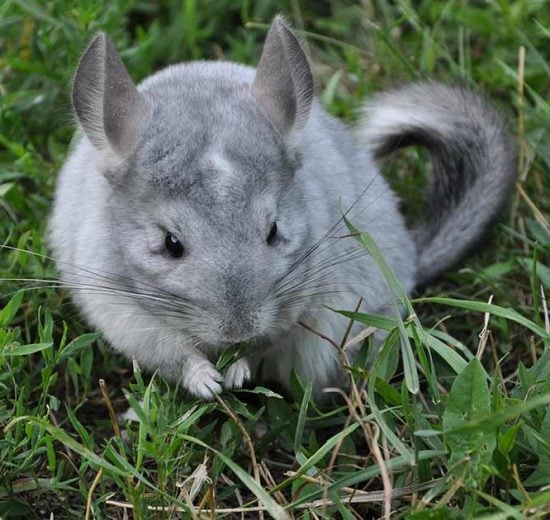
x=472, y=160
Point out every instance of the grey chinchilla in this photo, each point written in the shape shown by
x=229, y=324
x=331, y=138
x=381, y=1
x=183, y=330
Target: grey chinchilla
x=204, y=208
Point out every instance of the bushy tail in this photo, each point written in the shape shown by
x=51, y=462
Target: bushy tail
x=472, y=159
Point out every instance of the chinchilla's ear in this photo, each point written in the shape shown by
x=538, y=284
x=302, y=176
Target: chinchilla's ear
x=284, y=83
x=107, y=104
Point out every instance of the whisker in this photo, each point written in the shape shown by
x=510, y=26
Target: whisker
x=100, y=274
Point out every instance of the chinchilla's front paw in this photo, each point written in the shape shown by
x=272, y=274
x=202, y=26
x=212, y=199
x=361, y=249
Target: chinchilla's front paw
x=202, y=379
x=237, y=374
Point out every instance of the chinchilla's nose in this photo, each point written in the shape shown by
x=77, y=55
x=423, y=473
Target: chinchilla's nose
x=238, y=289
x=238, y=329
x=238, y=314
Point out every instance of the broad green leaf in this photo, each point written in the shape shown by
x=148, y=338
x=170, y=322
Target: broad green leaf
x=25, y=350
x=507, y=439
x=78, y=344
x=541, y=475
x=469, y=400
x=493, y=421
x=5, y=188
x=11, y=308
x=388, y=392
x=230, y=355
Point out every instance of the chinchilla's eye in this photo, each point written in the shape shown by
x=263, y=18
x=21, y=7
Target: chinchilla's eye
x=272, y=234
x=173, y=246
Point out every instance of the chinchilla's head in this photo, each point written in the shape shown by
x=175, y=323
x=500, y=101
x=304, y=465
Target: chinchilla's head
x=206, y=217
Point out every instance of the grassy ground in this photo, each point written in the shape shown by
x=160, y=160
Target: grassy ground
x=472, y=442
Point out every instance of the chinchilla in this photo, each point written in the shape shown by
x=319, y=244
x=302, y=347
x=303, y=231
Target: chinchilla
x=203, y=208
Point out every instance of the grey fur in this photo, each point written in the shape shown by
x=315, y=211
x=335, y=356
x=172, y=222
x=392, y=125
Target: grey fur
x=473, y=165
x=220, y=153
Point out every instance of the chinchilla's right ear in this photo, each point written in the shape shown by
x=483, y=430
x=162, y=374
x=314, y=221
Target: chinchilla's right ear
x=107, y=104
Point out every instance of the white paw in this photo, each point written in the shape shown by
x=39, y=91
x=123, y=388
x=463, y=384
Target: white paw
x=202, y=379
x=237, y=374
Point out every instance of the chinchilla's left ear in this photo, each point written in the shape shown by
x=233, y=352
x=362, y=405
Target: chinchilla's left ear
x=284, y=83
x=107, y=104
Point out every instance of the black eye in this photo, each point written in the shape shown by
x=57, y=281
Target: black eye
x=272, y=234
x=173, y=246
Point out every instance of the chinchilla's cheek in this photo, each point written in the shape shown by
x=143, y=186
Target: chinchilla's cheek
x=137, y=253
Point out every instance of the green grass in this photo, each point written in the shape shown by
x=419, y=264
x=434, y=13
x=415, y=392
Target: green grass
x=471, y=442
